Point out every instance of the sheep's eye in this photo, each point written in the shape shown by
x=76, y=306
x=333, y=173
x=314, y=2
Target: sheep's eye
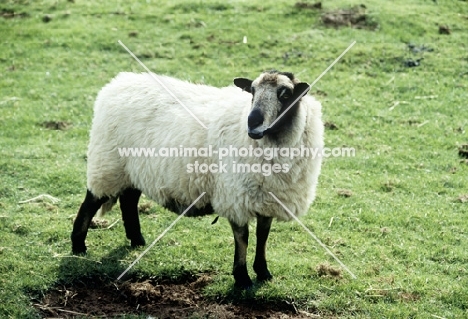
x=284, y=94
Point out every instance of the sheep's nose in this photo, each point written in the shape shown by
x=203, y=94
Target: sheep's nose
x=255, y=119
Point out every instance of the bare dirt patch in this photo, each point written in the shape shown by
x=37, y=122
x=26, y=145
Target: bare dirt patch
x=56, y=125
x=463, y=151
x=463, y=198
x=444, y=29
x=10, y=14
x=344, y=192
x=355, y=17
x=330, y=126
x=160, y=298
x=306, y=5
x=328, y=270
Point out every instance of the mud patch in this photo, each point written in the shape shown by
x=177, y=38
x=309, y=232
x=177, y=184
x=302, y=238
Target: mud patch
x=410, y=63
x=444, y=29
x=145, y=208
x=344, y=192
x=463, y=198
x=419, y=48
x=56, y=125
x=306, y=5
x=463, y=151
x=10, y=14
x=160, y=297
x=330, y=126
x=355, y=17
x=328, y=270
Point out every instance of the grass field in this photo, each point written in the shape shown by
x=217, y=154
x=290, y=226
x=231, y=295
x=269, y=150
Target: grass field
x=395, y=214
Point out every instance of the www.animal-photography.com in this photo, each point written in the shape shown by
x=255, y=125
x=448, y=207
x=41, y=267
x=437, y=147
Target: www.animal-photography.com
x=234, y=159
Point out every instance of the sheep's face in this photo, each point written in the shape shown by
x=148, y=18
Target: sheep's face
x=272, y=94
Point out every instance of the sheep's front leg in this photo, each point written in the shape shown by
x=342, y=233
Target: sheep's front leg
x=260, y=264
x=241, y=239
x=88, y=209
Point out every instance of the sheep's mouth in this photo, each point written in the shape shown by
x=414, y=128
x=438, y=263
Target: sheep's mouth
x=257, y=133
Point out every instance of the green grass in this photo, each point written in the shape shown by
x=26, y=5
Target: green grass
x=402, y=232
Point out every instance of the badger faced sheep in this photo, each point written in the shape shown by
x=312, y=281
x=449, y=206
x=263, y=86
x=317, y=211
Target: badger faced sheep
x=135, y=111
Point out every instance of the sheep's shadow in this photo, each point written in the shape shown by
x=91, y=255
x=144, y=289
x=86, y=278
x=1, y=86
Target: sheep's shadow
x=247, y=299
x=235, y=294
x=83, y=268
x=90, y=270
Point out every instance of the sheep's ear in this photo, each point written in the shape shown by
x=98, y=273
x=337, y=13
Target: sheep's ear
x=244, y=84
x=300, y=89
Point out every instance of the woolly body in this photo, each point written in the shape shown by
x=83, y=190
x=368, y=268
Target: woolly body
x=135, y=111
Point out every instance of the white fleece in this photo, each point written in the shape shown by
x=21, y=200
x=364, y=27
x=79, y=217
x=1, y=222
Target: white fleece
x=133, y=110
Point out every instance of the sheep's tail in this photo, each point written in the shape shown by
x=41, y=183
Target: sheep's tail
x=107, y=206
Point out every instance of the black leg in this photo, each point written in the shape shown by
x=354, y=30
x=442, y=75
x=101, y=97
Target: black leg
x=260, y=264
x=241, y=239
x=129, y=207
x=86, y=213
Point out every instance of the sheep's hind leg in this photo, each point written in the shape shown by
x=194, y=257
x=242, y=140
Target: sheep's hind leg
x=129, y=207
x=241, y=239
x=88, y=209
x=260, y=264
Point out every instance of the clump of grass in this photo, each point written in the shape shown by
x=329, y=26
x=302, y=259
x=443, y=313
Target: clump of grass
x=463, y=198
x=328, y=270
x=146, y=207
x=355, y=17
x=56, y=125
x=344, y=192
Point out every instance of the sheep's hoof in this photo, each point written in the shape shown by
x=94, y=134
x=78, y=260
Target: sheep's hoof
x=264, y=277
x=244, y=284
x=79, y=249
x=138, y=242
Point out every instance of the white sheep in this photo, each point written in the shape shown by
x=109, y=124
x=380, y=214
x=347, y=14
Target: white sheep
x=134, y=111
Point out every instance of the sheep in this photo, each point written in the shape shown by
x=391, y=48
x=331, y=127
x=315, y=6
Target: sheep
x=135, y=111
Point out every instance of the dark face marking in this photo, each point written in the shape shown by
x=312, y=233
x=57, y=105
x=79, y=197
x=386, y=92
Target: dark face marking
x=287, y=97
x=284, y=94
x=257, y=128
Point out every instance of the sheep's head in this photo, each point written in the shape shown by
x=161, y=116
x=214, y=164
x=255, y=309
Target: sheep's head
x=272, y=94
